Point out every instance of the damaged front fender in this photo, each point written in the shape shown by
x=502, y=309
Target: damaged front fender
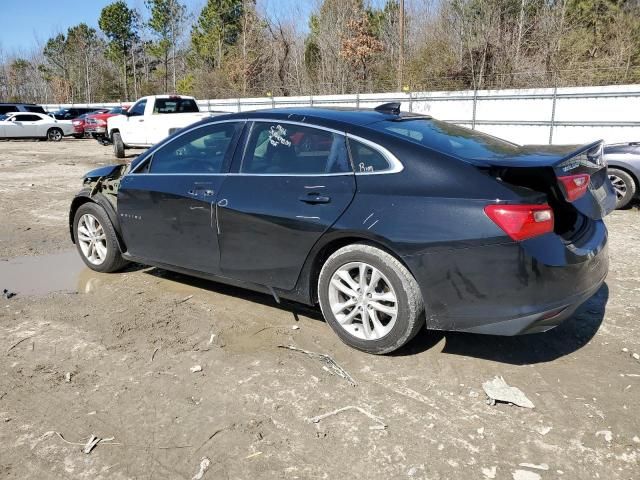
x=101, y=186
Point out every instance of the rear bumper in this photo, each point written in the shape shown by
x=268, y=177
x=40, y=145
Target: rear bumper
x=511, y=288
x=550, y=317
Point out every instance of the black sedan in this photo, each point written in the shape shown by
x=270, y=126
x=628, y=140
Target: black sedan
x=389, y=221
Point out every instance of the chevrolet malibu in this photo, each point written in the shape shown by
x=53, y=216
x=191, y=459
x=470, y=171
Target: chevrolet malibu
x=390, y=222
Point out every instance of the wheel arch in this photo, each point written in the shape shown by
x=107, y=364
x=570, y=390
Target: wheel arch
x=84, y=197
x=307, y=286
x=55, y=128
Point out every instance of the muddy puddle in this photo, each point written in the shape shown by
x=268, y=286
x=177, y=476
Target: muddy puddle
x=42, y=274
x=66, y=272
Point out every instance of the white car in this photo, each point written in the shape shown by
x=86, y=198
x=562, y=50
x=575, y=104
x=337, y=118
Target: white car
x=150, y=120
x=33, y=125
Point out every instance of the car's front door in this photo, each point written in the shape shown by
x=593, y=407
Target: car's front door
x=166, y=206
x=134, y=130
x=23, y=126
x=293, y=183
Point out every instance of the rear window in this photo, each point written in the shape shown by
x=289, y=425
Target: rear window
x=448, y=138
x=175, y=105
x=8, y=108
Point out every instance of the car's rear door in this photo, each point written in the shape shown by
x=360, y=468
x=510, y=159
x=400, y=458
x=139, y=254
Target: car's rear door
x=166, y=205
x=293, y=182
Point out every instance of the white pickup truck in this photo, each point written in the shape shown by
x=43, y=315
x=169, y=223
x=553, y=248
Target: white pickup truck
x=150, y=120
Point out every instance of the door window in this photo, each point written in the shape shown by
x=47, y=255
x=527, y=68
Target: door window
x=30, y=118
x=138, y=108
x=283, y=148
x=202, y=150
x=26, y=118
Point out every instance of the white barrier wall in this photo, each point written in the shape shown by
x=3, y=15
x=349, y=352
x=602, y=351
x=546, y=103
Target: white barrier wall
x=570, y=115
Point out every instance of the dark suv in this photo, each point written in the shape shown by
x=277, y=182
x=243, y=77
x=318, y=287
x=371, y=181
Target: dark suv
x=20, y=107
x=71, y=113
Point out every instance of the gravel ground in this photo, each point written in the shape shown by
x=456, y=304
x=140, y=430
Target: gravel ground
x=110, y=355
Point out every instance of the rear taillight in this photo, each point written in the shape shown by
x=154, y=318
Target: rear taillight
x=522, y=221
x=575, y=186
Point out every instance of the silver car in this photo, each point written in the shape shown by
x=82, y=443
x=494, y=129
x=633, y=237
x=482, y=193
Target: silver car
x=624, y=170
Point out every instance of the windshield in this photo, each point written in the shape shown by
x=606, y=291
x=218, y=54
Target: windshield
x=447, y=138
x=175, y=105
x=116, y=110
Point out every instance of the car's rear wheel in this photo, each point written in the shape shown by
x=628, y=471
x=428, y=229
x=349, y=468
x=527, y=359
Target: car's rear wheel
x=54, y=135
x=624, y=186
x=118, y=145
x=96, y=239
x=370, y=299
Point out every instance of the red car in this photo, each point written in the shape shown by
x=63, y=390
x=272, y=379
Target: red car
x=79, y=123
x=96, y=123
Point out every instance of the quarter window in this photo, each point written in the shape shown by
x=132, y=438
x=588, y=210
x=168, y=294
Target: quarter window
x=367, y=159
x=202, y=150
x=282, y=148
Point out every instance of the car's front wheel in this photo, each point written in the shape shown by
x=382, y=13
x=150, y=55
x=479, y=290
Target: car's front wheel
x=118, y=145
x=54, y=135
x=96, y=239
x=370, y=299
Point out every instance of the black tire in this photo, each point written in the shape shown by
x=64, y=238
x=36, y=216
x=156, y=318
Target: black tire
x=113, y=260
x=624, y=186
x=410, y=307
x=118, y=145
x=55, y=134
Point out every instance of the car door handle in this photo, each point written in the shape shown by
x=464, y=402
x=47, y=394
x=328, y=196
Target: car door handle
x=207, y=192
x=314, y=198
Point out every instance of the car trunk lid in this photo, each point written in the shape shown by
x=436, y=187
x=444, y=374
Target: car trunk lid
x=570, y=176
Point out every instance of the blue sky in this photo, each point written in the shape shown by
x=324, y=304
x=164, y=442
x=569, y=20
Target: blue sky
x=25, y=24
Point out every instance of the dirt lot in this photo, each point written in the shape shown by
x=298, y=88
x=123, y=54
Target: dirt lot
x=129, y=340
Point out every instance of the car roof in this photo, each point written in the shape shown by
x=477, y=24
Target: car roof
x=13, y=114
x=323, y=116
x=19, y=103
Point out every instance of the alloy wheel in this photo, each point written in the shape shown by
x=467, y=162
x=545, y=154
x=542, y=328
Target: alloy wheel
x=363, y=301
x=619, y=185
x=55, y=135
x=92, y=239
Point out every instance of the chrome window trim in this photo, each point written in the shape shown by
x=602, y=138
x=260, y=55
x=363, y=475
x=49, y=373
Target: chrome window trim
x=302, y=124
x=238, y=120
x=395, y=164
x=231, y=174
